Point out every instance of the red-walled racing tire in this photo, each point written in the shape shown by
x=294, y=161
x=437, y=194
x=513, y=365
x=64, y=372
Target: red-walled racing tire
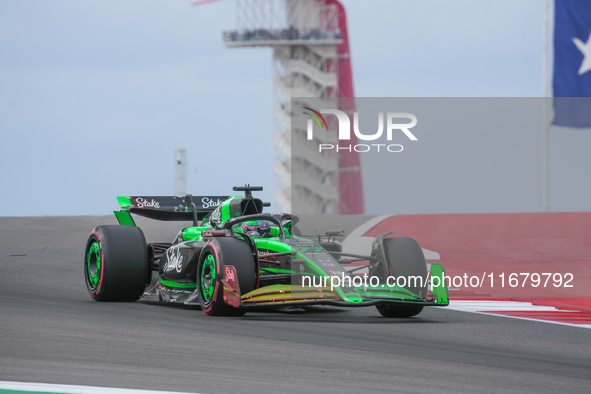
x=214, y=256
x=116, y=263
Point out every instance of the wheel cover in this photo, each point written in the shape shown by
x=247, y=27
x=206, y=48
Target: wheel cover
x=93, y=262
x=208, y=277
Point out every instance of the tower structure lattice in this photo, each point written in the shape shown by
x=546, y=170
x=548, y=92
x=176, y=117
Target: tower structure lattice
x=312, y=67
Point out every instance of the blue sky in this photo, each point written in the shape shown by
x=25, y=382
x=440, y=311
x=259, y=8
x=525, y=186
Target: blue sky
x=95, y=95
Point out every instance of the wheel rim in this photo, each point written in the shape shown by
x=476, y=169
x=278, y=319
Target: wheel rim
x=93, y=263
x=208, y=277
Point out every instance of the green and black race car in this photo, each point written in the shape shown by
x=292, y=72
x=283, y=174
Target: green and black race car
x=236, y=258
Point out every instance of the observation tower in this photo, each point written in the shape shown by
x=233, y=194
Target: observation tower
x=311, y=59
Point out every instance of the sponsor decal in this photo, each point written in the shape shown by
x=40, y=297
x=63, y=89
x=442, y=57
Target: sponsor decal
x=395, y=121
x=209, y=233
x=174, y=260
x=143, y=203
x=229, y=274
x=206, y=202
x=180, y=291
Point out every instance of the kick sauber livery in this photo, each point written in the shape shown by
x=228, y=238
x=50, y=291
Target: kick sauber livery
x=236, y=258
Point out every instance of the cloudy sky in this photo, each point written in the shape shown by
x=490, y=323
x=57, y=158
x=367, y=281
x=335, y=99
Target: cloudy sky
x=95, y=95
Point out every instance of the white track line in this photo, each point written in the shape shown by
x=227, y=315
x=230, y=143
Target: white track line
x=487, y=306
x=351, y=239
x=71, y=389
x=483, y=307
x=356, y=243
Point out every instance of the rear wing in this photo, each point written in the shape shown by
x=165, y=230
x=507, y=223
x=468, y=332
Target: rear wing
x=169, y=208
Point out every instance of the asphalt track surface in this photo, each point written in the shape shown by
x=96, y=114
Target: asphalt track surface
x=52, y=332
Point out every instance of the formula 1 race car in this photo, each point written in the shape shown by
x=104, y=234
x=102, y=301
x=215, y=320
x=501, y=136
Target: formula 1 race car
x=236, y=258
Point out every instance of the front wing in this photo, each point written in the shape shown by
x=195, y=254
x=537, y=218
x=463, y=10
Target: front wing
x=288, y=295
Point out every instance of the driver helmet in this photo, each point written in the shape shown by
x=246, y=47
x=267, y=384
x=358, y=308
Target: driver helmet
x=257, y=228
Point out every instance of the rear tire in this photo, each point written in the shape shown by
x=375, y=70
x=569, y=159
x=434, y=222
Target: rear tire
x=116, y=263
x=214, y=256
x=405, y=258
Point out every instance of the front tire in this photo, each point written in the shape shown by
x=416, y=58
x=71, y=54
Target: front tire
x=399, y=311
x=116, y=263
x=214, y=256
x=405, y=258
